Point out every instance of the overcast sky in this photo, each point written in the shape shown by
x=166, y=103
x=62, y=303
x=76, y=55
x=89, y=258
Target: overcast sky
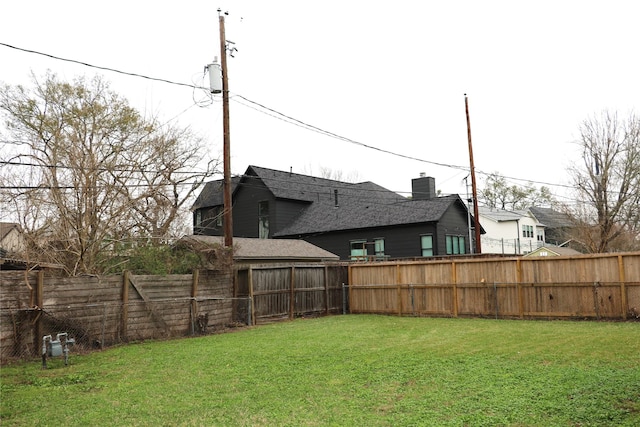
x=389, y=75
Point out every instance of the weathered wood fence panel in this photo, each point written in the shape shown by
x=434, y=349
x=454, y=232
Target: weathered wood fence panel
x=99, y=311
x=287, y=291
x=592, y=286
x=17, y=296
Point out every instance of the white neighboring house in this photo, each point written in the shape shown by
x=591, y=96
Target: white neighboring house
x=11, y=238
x=510, y=232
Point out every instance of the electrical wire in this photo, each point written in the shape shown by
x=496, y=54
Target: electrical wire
x=277, y=114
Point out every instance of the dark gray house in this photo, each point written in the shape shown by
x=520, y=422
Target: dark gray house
x=354, y=221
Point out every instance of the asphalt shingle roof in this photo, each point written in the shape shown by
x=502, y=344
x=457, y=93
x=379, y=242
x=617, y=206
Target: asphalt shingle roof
x=499, y=215
x=551, y=218
x=256, y=249
x=212, y=194
x=359, y=205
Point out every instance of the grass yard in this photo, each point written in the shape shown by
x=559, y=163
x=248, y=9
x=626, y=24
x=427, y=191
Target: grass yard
x=356, y=370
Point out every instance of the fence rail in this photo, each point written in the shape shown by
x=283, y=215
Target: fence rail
x=597, y=286
x=102, y=311
x=287, y=291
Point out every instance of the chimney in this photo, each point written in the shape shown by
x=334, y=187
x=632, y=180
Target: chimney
x=423, y=188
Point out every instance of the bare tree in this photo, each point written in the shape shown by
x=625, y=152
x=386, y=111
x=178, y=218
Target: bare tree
x=498, y=194
x=98, y=172
x=333, y=174
x=608, y=183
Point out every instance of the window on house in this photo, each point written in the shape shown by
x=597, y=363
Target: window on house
x=426, y=243
x=527, y=231
x=263, y=219
x=198, y=218
x=379, y=247
x=217, y=216
x=456, y=245
x=358, y=249
x=540, y=234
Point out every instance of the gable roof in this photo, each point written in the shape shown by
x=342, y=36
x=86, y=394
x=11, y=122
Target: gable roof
x=331, y=205
x=551, y=218
x=212, y=194
x=293, y=186
x=357, y=213
x=498, y=215
x=337, y=205
x=270, y=249
x=554, y=250
x=6, y=228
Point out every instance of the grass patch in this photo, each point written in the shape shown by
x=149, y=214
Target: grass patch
x=346, y=370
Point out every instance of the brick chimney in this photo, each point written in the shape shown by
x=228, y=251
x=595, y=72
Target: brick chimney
x=423, y=188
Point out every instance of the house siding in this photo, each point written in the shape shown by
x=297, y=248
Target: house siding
x=208, y=223
x=286, y=211
x=245, y=212
x=401, y=226
x=245, y=208
x=399, y=241
x=453, y=223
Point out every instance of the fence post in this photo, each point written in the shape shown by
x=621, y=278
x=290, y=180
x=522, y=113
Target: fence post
x=292, y=294
x=623, y=290
x=344, y=298
x=104, y=325
x=125, y=304
x=454, y=297
x=413, y=304
x=399, y=290
x=39, y=302
x=519, y=289
x=326, y=290
x=253, y=302
x=495, y=296
x=596, y=306
x=195, y=277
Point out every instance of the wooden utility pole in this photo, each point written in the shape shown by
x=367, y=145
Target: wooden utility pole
x=227, y=217
x=474, y=189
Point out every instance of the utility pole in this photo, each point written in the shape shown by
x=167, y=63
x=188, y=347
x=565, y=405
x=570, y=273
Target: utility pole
x=466, y=186
x=227, y=217
x=473, y=180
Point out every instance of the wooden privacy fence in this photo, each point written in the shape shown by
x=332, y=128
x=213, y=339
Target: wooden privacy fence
x=101, y=311
x=287, y=291
x=604, y=286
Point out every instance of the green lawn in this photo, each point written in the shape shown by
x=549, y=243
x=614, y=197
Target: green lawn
x=355, y=370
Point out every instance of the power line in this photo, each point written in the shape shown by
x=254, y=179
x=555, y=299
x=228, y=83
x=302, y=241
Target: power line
x=277, y=114
x=343, y=138
x=41, y=165
x=101, y=67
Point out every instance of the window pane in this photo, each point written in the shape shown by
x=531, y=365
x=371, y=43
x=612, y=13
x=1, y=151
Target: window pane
x=463, y=247
x=263, y=219
x=358, y=249
x=379, y=246
x=426, y=243
x=263, y=208
x=449, y=242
